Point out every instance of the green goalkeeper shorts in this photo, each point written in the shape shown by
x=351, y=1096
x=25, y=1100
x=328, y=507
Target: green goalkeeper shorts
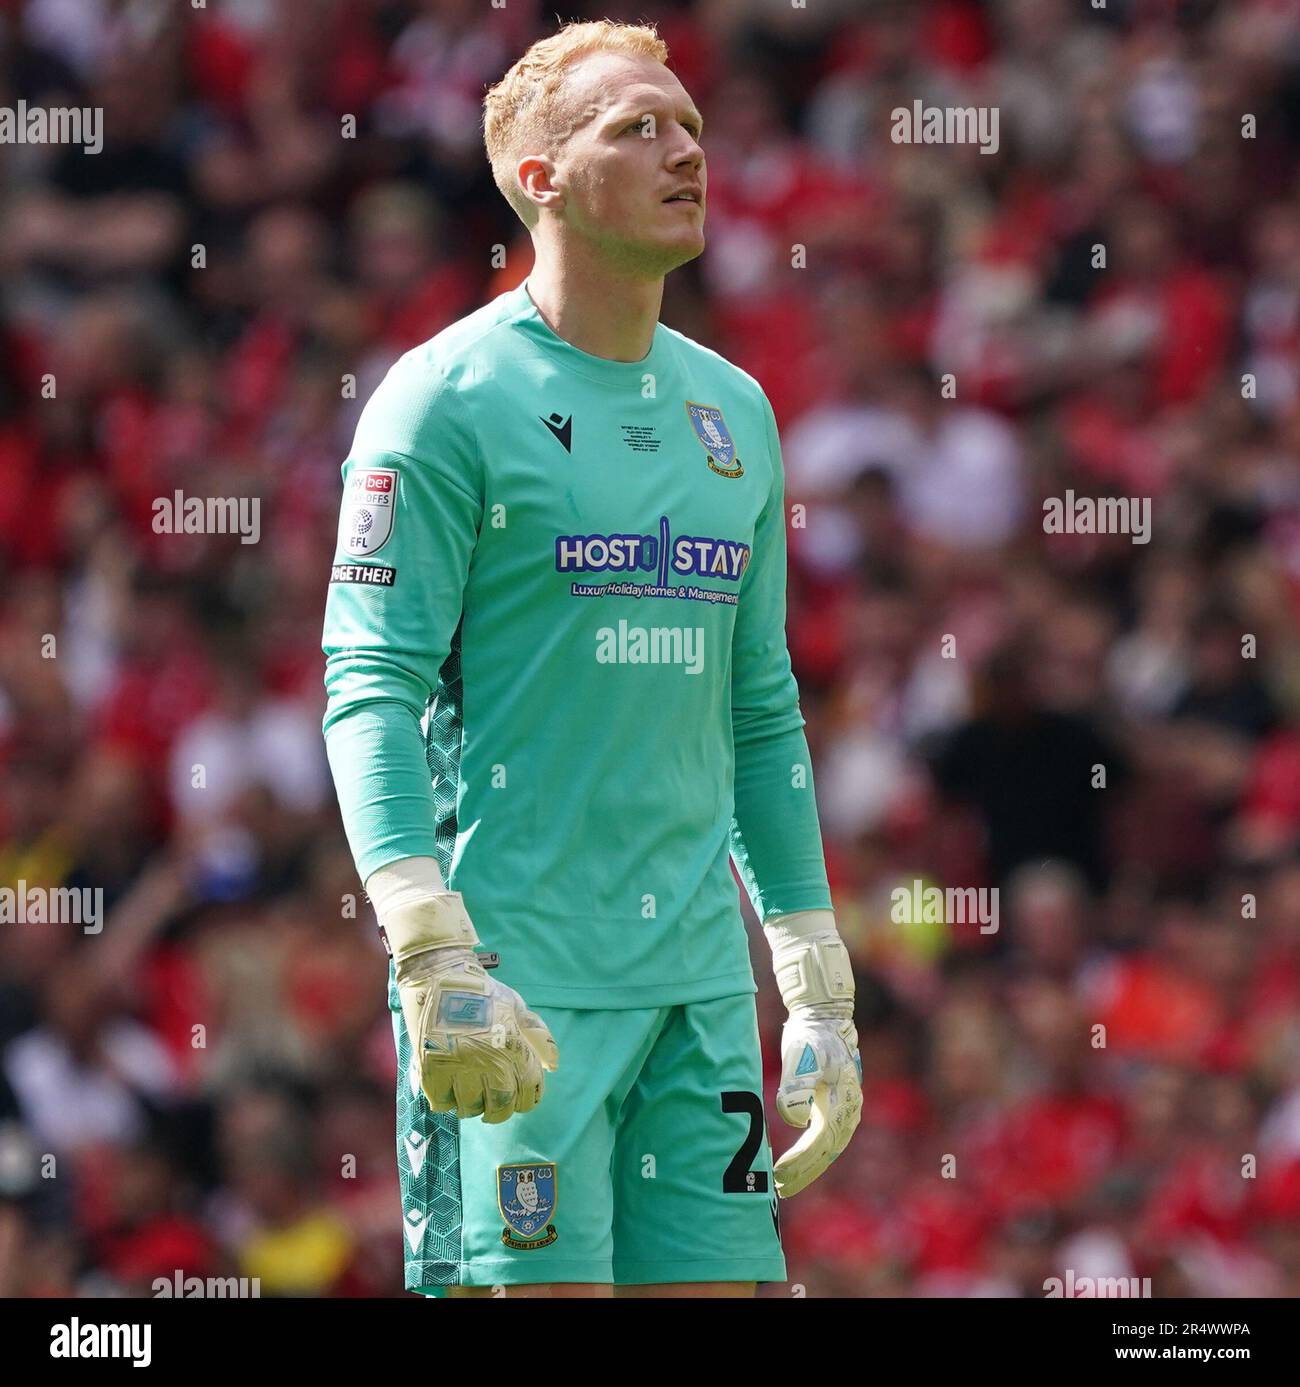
x=646, y=1161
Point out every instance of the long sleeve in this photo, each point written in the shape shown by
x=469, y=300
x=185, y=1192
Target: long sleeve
x=775, y=834
x=412, y=510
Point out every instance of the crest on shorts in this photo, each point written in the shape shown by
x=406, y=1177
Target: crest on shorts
x=719, y=446
x=366, y=521
x=526, y=1198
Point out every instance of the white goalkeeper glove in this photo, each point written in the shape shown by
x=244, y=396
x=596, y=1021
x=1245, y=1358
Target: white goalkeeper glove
x=479, y=1048
x=821, y=1073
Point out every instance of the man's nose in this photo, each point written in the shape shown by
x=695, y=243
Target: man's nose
x=689, y=154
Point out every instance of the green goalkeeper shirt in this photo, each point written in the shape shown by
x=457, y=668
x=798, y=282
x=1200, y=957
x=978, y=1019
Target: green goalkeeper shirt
x=556, y=656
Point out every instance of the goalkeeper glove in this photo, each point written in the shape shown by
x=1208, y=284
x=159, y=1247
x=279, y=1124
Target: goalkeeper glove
x=821, y=1073
x=479, y=1048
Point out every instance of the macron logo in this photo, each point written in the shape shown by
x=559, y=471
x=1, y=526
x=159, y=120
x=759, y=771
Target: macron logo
x=561, y=428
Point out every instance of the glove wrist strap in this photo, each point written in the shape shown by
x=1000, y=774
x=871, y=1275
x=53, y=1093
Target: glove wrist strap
x=812, y=967
x=821, y=1011
x=438, y=922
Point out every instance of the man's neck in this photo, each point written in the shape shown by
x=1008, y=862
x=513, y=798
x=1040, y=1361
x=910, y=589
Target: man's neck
x=596, y=309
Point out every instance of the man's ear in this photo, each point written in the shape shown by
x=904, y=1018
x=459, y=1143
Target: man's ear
x=536, y=174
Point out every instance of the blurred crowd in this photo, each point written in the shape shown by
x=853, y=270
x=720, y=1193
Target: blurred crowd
x=1107, y=732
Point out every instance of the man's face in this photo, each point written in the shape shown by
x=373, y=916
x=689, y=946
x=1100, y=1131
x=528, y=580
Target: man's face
x=634, y=146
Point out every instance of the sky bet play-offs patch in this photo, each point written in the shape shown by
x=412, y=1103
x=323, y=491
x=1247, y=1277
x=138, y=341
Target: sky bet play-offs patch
x=369, y=504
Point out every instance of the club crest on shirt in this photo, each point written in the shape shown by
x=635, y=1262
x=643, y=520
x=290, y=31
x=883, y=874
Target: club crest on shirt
x=369, y=504
x=711, y=429
x=526, y=1198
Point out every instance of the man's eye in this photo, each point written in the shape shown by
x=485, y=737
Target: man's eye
x=638, y=125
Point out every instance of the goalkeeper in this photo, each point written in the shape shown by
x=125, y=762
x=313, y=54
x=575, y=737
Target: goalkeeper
x=560, y=703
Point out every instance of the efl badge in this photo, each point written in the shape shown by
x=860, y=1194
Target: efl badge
x=368, y=507
x=711, y=429
x=526, y=1198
